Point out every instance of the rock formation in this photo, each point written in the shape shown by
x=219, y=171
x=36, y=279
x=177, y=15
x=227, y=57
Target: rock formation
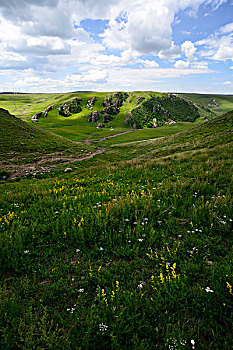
x=70, y=107
x=91, y=102
x=93, y=117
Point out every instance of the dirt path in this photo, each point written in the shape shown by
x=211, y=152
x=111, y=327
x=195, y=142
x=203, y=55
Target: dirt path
x=46, y=164
x=109, y=137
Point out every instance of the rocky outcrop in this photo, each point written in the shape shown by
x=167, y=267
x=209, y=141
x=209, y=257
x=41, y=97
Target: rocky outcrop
x=115, y=100
x=170, y=122
x=47, y=110
x=93, y=117
x=91, y=102
x=111, y=110
x=42, y=114
x=99, y=126
x=166, y=110
x=213, y=104
x=70, y=107
x=155, y=122
x=36, y=116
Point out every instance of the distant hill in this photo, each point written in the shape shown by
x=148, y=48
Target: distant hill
x=91, y=116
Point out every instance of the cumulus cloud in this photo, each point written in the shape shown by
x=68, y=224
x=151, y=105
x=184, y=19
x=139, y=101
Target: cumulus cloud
x=171, y=53
x=181, y=64
x=148, y=63
x=22, y=10
x=39, y=46
x=217, y=48
x=189, y=49
x=47, y=35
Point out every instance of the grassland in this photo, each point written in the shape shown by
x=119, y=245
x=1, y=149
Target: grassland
x=132, y=250
x=77, y=128
x=25, y=148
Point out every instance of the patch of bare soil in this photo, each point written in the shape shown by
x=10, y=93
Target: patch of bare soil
x=45, y=164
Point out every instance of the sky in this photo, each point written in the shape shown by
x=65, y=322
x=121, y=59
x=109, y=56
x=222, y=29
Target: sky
x=112, y=45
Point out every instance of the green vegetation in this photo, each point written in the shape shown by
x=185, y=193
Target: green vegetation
x=20, y=140
x=76, y=127
x=157, y=111
x=210, y=106
x=132, y=250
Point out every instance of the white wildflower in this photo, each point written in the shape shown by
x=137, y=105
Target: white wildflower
x=103, y=327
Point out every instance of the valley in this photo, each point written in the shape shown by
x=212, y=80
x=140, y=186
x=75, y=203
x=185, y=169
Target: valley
x=119, y=235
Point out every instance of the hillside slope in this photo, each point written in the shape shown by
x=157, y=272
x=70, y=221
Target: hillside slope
x=101, y=114
x=124, y=255
x=22, y=143
x=218, y=131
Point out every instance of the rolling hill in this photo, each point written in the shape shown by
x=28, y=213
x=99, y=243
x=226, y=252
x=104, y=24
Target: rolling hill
x=133, y=248
x=23, y=145
x=114, y=112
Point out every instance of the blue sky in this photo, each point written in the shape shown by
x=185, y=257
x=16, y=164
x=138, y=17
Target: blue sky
x=109, y=45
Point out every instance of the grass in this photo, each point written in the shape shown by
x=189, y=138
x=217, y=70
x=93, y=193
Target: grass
x=133, y=250
x=224, y=102
x=21, y=140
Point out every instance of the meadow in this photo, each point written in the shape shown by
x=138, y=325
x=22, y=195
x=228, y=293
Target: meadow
x=132, y=249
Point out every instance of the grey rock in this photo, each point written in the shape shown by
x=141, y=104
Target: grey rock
x=68, y=170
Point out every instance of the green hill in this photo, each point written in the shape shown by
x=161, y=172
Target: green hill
x=132, y=250
x=94, y=115
x=22, y=143
x=158, y=111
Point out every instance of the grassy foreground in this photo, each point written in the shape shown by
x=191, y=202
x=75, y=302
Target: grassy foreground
x=131, y=254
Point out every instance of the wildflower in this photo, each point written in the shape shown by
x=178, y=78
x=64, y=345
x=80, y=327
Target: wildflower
x=140, y=239
x=26, y=251
x=81, y=290
x=229, y=286
x=117, y=286
x=103, y=327
x=101, y=248
x=193, y=344
x=140, y=285
x=208, y=290
x=77, y=250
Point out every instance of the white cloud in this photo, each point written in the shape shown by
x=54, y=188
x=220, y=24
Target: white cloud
x=228, y=28
x=189, y=49
x=227, y=82
x=106, y=60
x=38, y=36
x=181, y=64
x=105, y=79
x=171, y=53
x=185, y=32
x=148, y=63
x=217, y=48
x=148, y=28
x=216, y=3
